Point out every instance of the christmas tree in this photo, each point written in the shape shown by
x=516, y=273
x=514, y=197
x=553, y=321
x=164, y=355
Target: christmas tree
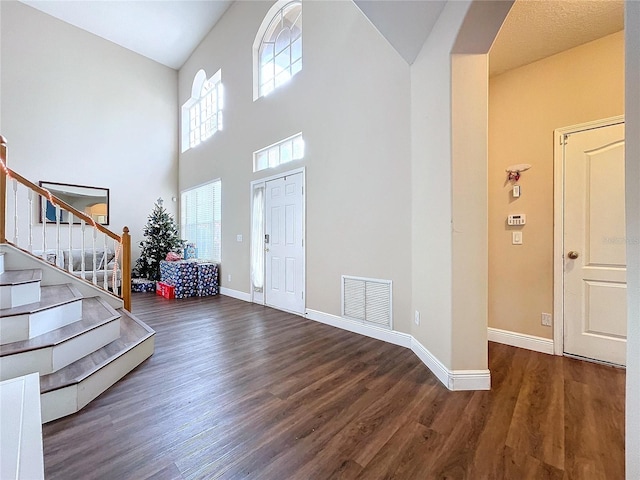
x=161, y=237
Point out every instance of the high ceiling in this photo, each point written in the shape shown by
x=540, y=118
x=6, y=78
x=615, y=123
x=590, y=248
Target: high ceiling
x=165, y=31
x=168, y=31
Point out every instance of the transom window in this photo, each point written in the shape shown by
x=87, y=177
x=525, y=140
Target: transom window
x=289, y=149
x=280, y=49
x=202, y=113
x=200, y=219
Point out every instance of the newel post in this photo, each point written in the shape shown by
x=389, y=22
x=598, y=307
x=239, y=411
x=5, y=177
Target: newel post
x=3, y=189
x=126, y=268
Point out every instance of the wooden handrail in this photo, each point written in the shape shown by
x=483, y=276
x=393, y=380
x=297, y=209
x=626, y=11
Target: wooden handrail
x=56, y=201
x=124, y=239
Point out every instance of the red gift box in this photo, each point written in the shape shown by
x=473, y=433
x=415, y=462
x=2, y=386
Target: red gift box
x=166, y=290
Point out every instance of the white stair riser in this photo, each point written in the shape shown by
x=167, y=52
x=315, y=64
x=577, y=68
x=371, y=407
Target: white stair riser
x=53, y=318
x=72, y=350
x=50, y=359
x=14, y=328
x=18, y=364
x=65, y=401
x=16, y=295
x=59, y=403
x=23, y=327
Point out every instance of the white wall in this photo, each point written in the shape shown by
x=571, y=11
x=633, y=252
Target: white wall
x=632, y=135
x=78, y=109
x=351, y=101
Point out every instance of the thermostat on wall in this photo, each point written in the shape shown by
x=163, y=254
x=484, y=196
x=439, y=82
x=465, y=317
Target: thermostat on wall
x=517, y=219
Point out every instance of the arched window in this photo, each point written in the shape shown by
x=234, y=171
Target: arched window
x=202, y=113
x=278, y=47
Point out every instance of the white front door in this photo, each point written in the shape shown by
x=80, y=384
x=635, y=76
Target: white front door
x=595, y=314
x=284, y=243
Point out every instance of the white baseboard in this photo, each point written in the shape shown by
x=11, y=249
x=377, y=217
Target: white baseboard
x=432, y=363
x=453, y=380
x=389, y=336
x=521, y=340
x=235, y=294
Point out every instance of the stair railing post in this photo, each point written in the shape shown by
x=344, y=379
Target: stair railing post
x=3, y=189
x=126, y=268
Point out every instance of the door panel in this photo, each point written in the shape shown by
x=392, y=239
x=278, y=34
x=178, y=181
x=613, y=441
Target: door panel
x=594, y=228
x=284, y=256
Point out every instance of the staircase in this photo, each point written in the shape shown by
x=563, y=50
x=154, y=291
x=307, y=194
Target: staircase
x=77, y=336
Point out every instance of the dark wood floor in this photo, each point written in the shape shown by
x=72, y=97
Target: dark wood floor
x=235, y=390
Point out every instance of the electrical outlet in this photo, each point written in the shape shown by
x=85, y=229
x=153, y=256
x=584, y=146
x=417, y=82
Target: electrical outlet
x=229, y=278
x=417, y=318
x=546, y=319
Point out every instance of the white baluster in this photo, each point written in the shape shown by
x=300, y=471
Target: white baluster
x=105, y=279
x=70, y=265
x=116, y=265
x=58, y=213
x=15, y=212
x=30, y=196
x=95, y=265
x=44, y=225
x=82, y=263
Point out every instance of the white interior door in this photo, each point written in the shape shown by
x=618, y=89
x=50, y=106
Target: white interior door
x=284, y=243
x=595, y=314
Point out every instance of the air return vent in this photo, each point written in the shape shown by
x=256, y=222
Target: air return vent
x=367, y=300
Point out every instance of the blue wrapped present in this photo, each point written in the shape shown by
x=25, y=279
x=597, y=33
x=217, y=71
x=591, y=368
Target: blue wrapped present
x=190, y=251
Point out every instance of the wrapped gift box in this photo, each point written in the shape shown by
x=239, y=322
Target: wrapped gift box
x=165, y=290
x=190, y=251
x=207, y=279
x=183, y=275
x=143, y=285
x=190, y=278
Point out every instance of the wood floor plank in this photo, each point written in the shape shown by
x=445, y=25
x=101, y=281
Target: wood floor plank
x=236, y=390
x=537, y=426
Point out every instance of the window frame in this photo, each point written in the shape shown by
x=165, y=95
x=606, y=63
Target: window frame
x=202, y=117
x=271, y=149
x=274, y=14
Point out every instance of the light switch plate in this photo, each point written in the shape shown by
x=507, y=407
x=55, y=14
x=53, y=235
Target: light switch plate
x=516, y=238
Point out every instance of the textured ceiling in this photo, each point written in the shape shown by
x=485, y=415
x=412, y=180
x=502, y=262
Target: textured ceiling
x=165, y=31
x=535, y=29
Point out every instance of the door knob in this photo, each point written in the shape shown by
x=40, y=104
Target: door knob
x=573, y=254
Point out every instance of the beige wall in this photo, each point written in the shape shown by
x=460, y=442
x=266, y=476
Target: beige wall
x=351, y=101
x=525, y=106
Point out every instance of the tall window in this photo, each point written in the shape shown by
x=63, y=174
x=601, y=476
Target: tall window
x=279, y=53
x=202, y=113
x=200, y=219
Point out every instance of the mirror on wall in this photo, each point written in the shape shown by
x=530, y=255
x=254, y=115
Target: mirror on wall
x=92, y=201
